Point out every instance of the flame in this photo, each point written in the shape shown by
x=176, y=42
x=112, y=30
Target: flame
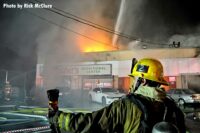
x=99, y=43
x=96, y=47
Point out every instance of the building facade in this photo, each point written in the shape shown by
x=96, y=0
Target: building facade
x=181, y=71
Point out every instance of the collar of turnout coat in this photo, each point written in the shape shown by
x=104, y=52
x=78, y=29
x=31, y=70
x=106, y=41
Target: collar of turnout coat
x=156, y=93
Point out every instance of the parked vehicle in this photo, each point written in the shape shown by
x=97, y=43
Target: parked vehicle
x=104, y=95
x=182, y=96
x=63, y=91
x=65, y=96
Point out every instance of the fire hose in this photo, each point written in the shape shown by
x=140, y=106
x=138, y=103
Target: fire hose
x=53, y=107
x=28, y=129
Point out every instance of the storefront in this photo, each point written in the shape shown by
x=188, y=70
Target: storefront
x=87, y=76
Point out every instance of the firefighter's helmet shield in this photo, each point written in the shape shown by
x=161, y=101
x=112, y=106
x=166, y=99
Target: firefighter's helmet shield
x=142, y=68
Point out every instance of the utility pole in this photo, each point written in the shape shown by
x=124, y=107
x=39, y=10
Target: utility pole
x=25, y=92
x=6, y=76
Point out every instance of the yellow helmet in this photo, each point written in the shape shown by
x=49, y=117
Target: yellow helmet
x=150, y=69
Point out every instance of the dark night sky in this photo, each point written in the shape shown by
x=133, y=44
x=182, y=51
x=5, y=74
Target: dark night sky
x=161, y=20
x=20, y=30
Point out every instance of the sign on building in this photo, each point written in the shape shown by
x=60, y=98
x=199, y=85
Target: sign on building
x=104, y=69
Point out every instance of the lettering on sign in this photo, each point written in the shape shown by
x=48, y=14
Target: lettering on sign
x=88, y=70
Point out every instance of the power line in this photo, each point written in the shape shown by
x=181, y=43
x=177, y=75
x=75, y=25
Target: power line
x=64, y=28
x=86, y=22
x=77, y=17
x=89, y=23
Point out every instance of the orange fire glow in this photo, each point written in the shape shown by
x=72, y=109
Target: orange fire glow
x=100, y=43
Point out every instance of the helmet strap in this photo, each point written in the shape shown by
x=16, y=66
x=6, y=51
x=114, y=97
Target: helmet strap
x=138, y=83
x=152, y=83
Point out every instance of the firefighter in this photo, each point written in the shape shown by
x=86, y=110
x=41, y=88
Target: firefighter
x=121, y=116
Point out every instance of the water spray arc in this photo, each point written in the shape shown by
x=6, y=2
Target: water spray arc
x=119, y=22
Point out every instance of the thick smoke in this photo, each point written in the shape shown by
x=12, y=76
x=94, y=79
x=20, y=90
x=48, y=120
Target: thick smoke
x=40, y=36
x=13, y=25
x=61, y=45
x=18, y=46
x=186, y=41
